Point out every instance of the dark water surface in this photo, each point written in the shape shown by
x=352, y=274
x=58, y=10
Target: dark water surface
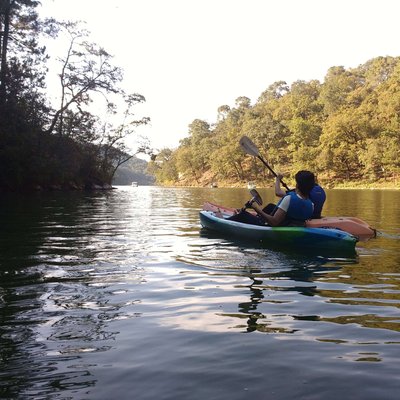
x=120, y=295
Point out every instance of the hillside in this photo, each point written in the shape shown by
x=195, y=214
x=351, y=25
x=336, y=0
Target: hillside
x=133, y=170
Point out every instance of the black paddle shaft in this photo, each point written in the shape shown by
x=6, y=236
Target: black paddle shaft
x=273, y=172
x=250, y=148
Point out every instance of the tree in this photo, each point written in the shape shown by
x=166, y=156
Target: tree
x=225, y=155
x=133, y=170
x=20, y=29
x=274, y=92
x=163, y=167
x=199, y=144
x=86, y=148
x=345, y=135
x=86, y=70
x=223, y=111
x=243, y=102
x=185, y=163
x=112, y=148
x=339, y=83
x=344, y=128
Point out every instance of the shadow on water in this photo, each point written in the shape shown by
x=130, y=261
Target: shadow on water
x=344, y=293
x=339, y=284
x=55, y=305
x=279, y=273
x=308, y=252
x=42, y=225
x=91, y=282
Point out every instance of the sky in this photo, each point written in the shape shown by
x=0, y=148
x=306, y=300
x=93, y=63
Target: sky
x=189, y=57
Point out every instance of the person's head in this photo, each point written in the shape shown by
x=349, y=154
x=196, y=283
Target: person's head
x=305, y=181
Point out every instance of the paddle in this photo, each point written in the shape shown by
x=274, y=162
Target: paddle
x=255, y=198
x=250, y=148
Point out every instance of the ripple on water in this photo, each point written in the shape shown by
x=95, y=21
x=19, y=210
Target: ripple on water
x=119, y=295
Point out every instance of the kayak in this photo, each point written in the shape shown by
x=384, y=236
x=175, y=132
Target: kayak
x=282, y=236
x=352, y=225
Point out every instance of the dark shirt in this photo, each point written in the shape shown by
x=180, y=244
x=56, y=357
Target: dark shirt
x=318, y=197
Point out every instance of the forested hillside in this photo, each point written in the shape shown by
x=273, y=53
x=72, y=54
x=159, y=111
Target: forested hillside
x=134, y=170
x=67, y=145
x=346, y=129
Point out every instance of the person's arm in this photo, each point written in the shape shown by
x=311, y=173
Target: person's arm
x=273, y=220
x=278, y=190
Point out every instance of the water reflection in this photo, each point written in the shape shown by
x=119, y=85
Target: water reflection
x=50, y=323
x=339, y=289
x=291, y=299
x=306, y=251
x=54, y=309
x=94, y=281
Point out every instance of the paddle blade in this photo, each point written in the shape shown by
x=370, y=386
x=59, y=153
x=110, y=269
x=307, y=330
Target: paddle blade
x=256, y=196
x=248, y=146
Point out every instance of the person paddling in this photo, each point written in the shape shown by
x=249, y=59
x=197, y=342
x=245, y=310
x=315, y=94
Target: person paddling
x=295, y=207
x=317, y=195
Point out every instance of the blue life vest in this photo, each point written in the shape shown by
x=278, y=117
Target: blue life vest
x=318, y=197
x=299, y=209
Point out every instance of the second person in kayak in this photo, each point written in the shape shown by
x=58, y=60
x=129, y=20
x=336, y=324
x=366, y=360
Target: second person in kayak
x=317, y=195
x=295, y=207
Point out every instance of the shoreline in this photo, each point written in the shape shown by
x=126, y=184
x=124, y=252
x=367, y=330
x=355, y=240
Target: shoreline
x=106, y=187
x=360, y=186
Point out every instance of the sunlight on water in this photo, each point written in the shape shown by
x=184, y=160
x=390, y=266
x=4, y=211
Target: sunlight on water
x=102, y=294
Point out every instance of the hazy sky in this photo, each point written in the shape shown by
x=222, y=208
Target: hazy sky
x=189, y=57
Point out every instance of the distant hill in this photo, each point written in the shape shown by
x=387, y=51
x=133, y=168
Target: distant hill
x=133, y=170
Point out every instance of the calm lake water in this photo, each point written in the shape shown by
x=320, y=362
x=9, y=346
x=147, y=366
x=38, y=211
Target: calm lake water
x=121, y=295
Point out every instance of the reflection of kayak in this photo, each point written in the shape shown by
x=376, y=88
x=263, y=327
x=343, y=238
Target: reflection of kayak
x=282, y=236
x=355, y=226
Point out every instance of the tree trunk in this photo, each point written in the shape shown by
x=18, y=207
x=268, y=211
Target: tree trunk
x=119, y=163
x=4, y=45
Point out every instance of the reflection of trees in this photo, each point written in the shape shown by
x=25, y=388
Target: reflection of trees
x=367, y=321
x=353, y=285
x=52, y=310
x=40, y=225
x=263, y=322
x=373, y=285
x=27, y=364
x=257, y=320
x=250, y=307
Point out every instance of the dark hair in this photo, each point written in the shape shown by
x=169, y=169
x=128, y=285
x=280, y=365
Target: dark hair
x=305, y=181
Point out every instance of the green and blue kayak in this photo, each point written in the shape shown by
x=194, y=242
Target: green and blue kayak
x=283, y=236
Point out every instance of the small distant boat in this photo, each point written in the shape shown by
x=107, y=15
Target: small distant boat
x=214, y=185
x=135, y=184
x=251, y=185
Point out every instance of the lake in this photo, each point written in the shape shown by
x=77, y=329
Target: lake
x=121, y=295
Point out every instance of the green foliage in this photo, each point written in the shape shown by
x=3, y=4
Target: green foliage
x=345, y=128
x=67, y=147
x=163, y=167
